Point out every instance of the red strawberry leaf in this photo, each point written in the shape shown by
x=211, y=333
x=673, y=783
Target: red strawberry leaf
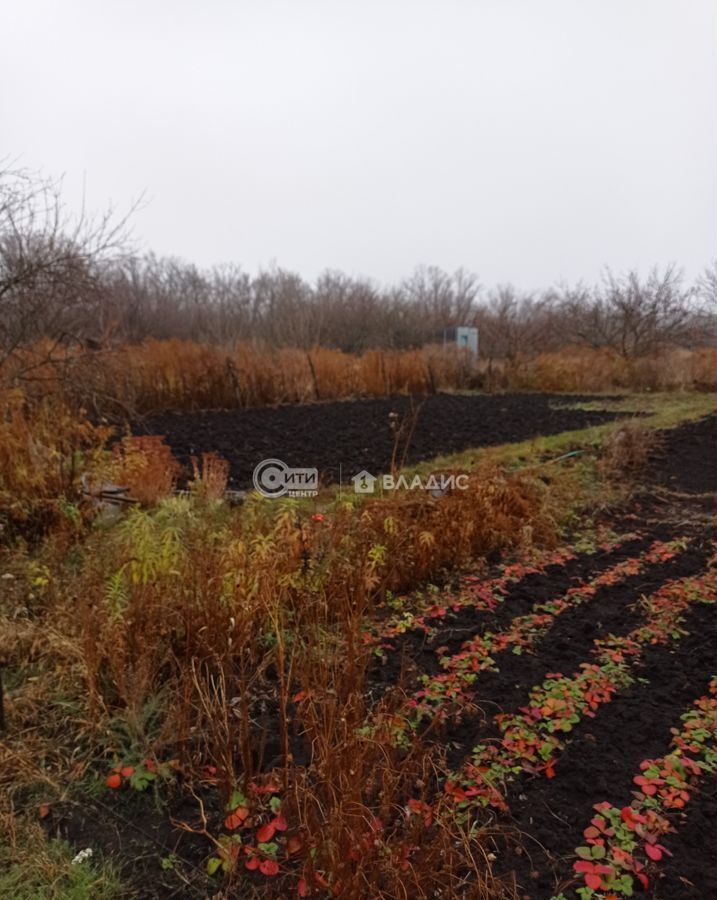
x=265, y=833
x=269, y=867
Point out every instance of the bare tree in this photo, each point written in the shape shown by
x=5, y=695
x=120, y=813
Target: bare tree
x=350, y=313
x=706, y=287
x=67, y=278
x=634, y=316
x=513, y=323
x=443, y=300
x=51, y=265
x=169, y=298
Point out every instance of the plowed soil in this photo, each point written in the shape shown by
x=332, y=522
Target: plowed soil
x=341, y=439
x=687, y=459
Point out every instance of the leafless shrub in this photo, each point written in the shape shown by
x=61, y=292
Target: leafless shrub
x=636, y=316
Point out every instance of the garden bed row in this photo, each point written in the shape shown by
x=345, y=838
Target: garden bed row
x=603, y=755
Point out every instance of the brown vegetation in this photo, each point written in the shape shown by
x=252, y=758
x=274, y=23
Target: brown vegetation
x=184, y=375
x=187, y=630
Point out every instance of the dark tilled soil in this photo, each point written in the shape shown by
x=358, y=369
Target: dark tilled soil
x=548, y=816
x=538, y=587
x=341, y=439
x=687, y=459
x=136, y=835
x=601, y=760
x=567, y=644
x=690, y=873
x=415, y=653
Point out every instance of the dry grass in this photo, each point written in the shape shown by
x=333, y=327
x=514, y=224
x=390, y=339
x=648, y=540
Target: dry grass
x=187, y=629
x=44, y=448
x=145, y=466
x=584, y=370
x=628, y=449
x=33, y=868
x=158, y=375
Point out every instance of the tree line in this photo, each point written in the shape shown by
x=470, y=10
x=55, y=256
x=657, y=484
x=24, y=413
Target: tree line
x=77, y=279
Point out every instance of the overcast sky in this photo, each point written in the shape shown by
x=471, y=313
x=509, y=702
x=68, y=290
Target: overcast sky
x=527, y=140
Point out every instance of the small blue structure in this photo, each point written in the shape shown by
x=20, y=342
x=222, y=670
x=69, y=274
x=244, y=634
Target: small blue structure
x=463, y=336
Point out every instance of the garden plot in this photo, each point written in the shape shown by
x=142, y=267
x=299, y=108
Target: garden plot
x=564, y=698
x=341, y=439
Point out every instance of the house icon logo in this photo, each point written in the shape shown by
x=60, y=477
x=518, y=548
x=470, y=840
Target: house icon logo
x=364, y=482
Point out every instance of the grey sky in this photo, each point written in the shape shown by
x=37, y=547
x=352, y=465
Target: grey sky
x=527, y=140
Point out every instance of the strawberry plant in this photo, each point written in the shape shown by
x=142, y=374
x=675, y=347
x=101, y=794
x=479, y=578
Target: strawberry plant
x=533, y=737
x=141, y=775
x=257, y=829
x=627, y=840
x=443, y=693
x=474, y=592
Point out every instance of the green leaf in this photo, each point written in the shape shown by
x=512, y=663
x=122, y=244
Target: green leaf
x=585, y=892
x=213, y=865
x=584, y=852
x=624, y=884
x=237, y=799
x=141, y=778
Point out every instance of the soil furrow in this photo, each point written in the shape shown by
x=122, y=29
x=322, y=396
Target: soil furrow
x=601, y=760
x=533, y=589
x=415, y=652
x=689, y=874
x=562, y=649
